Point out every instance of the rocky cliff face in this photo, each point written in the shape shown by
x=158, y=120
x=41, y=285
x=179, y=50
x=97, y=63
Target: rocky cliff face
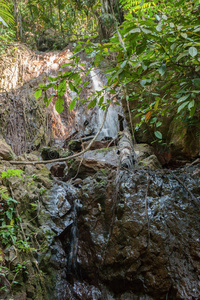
x=114, y=234
x=89, y=229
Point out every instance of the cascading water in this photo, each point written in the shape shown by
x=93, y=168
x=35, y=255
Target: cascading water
x=111, y=124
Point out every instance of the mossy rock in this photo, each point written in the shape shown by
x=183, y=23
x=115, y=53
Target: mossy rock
x=49, y=153
x=151, y=162
x=6, y=151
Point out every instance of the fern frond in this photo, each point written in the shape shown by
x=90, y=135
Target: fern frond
x=134, y=6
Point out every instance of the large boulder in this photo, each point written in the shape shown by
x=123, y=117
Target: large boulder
x=6, y=151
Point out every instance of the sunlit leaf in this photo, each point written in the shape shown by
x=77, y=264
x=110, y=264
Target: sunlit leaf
x=192, y=51
x=59, y=105
x=38, y=93
x=183, y=98
x=191, y=104
x=162, y=70
x=182, y=106
x=72, y=104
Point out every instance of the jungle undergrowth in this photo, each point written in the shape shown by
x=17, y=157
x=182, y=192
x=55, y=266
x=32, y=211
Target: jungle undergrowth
x=13, y=236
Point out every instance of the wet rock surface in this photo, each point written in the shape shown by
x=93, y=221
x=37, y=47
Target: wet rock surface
x=120, y=234
x=141, y=237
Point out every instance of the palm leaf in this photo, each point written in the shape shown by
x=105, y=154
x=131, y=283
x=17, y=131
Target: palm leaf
x=6, y=16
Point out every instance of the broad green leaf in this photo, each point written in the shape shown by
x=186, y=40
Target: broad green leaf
x=192, y=51
x=181, y=55
x=191, y=104
x=143, y=82
x=183, y=98
x=182, y=106
x=9, y=214
x=72, y=104
x=59, y=105
x=92, y=103
x=72, y=87
x=38, y=93
x=123, y=64
x=146, y=30
x=162, y=70
x=184, y=35
x=134, y=30
x=101, y=100
x=62, y=87
x=158, y=124
x=159, y=27
x=158, y=134
x=196, y=82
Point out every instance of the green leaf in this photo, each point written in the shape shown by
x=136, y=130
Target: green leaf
x=68, y=64
x=49, y=100
x=97, y=60
x=192, y=110
x=62, y=87
x=183, y=98
x=101, y=100
x=9, y=214
x=191, y=104
x=141, y=48
x=134, y=30
x=92, y=103
x=38, y=93
x=123, y=64
x=158, y=124
x=158, y=134
x=72, y=104
x=72, y=87
x=143, y=82
x=162, y=70
x=146, y=30
x=196, y=82
x=159, y=27
x=182, y=106
x=85, y=84
x=184, y=35
x=192, y=51
x=59, y=105
x=45, y=98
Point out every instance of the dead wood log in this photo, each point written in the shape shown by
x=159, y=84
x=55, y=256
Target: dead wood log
x=126, y=152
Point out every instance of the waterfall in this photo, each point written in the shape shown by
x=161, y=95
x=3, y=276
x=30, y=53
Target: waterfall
x=111, y=124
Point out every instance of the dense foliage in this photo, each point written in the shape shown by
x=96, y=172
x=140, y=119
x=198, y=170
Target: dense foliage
x=150, y=51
